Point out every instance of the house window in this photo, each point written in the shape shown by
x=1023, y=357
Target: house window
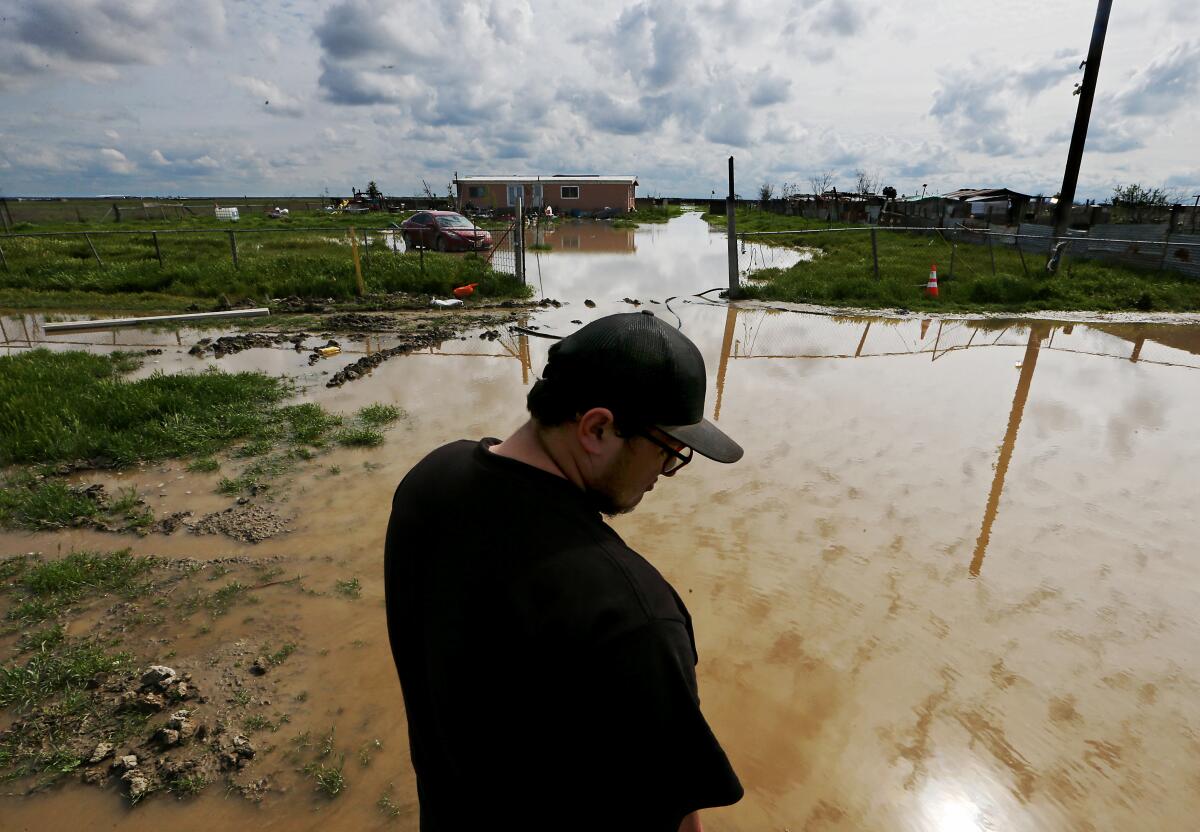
x=476, y=192
x=570, y=192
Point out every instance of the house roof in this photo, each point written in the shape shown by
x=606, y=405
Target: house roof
x=978, y=194
x=558, y=178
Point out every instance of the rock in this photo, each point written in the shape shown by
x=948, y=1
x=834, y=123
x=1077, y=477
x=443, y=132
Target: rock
x=92, y=776
x=180, y=721
x=242, y=746
x=589, y=303
x=168, y=736
x=160, y=675
x=138, y=783
x=183, y=690
x=149, y=702
x=260, y=666
x=103, y=750
x=128, y=762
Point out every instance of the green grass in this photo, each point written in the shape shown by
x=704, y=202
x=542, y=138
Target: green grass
x=653, y=213
x=200, y=266
x=376, y=415
x=843, y=274
x=360, y=437
x=351, y=587
x=44, y=588
x=187, y=785
x=330, y=780
x=205, y=464
x=68, y=666
x=65, y=406
x=28, y=502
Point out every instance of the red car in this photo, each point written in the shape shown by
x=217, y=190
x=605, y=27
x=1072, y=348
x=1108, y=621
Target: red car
x=444, y=231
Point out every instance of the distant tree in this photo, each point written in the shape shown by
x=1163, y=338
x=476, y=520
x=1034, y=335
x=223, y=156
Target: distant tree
x=889, y=192
x=765, y=191
x=788, y=190
x=373, y=190
x=865, y=183
x=1137, y=203
x=821, y=182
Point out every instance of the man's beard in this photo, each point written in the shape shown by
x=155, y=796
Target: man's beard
x=606, y=496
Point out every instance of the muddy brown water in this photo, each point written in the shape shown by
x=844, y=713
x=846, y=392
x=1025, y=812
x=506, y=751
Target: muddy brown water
x=950, y=587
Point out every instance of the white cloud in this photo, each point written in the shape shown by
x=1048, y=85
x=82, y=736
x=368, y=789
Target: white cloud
x=114, y=161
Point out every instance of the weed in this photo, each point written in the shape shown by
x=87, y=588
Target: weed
x=258, y=722
x=241, y=698
x=351, y=587
x=205, y=464
x=302, y=740
x=330, y=779
x=220, y=601
x=187, y=785
x=334, y=470
x=360, y=437
x=387, y=805
x=280, y=655
x=364, y=753
x=376, y=415
x=326, y=747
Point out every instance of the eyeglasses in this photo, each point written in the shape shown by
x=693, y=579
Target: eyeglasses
x=676, y=457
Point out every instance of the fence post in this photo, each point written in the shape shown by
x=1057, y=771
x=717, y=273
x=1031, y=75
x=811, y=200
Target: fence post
x=1020, y=251
x=6, y=215
x=519, y=238
x=358, y=278
x=991, y=251
x=3, y=262
x=953, y=251
x=93, y=248
x=233, y=248
x=875, y=252
x=157, y=250
x=735, y=288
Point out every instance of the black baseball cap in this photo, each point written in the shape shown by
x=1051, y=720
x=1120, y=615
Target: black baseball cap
x=644, y=370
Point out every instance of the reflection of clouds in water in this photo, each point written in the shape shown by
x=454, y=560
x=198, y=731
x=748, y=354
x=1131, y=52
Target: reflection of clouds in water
x=1143, y=410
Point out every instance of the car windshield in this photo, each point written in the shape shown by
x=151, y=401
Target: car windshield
x=454, y=221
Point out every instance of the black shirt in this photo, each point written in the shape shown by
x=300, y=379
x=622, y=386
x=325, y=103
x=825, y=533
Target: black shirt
x=548, y=670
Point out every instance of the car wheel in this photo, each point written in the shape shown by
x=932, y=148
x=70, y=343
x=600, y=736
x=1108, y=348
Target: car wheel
x=441, y=243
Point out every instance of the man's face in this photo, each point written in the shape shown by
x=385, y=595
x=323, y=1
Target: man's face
x=630, y=472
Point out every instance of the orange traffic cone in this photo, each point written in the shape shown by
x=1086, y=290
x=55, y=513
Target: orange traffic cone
x=465, y=291
x=931, y=287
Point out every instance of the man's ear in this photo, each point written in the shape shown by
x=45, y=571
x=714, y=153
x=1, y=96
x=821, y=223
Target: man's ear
x=594, y=428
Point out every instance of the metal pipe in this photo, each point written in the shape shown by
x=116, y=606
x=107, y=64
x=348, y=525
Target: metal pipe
x=109, y=323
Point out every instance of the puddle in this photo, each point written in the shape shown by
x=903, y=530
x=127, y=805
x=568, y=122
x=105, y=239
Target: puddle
x=950, y=586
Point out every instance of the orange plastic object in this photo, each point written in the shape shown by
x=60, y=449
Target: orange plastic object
x=465, y=291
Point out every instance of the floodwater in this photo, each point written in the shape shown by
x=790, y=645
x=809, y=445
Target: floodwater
x=949, y=587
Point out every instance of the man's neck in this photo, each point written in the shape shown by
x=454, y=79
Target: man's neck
x=526, y=445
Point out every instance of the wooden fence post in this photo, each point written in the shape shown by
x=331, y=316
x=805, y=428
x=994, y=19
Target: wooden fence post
x=953, y=251
x=991, y=252
x=157, y=250
x=3, y=262
x=233, y=248
x=1020, y=251
x=874, y=252
x=93, y=248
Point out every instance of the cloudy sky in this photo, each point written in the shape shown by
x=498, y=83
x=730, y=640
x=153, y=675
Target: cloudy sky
x=213, y=97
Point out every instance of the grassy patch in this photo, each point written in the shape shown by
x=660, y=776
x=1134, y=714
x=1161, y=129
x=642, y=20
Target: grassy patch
x=205, y=464
x=43, y=589
x=652, y=213
x=350, y=587
x=67, y=666
x=360, y=436
x=199, y=265
x=66, y=406
x=379, y=414
x=187, y=785
x=844, y=274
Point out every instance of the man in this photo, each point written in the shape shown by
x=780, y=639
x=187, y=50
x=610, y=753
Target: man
x=548, y=670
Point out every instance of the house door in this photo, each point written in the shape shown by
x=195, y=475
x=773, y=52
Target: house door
x=537, y=196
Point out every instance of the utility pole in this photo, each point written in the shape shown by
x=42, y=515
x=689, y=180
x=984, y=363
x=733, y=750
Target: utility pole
x=735, y=288
x=1086, y=92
